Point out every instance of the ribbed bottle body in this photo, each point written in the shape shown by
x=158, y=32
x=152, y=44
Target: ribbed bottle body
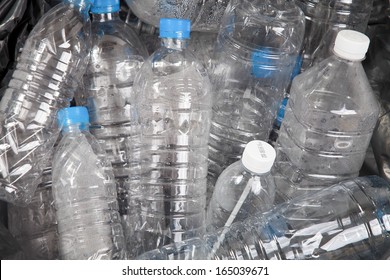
x=85, y=198
x=46, y=75
x=328, y=124
x=257, y=47
x=175, y=117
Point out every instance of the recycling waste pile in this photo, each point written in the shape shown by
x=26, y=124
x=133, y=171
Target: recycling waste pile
x=195, y=129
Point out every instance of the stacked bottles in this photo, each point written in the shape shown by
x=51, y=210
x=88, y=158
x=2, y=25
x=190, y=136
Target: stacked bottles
x=205, y=15
x=84, y=193
x=46, y=75
x=257, y=47
x=174, y=89
x=324, y=19
x=349, y=220
x=116, y=57
x=329, y=120
x=35, y=226
x=244, y=188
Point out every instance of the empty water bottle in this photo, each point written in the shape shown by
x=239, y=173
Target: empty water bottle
x=244, y=188
x=257, y=47
x=175, y=110
x=116, y=56
x=46, y=75
x=329, y=120
x=35, y=226
x=205, y=15
x=349, y=220
x=324, y=19
x=84, y=193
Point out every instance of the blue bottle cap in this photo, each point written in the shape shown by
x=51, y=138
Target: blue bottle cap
x=263, y=63
x=73, y=115
x=105, y=6
x=175, y=28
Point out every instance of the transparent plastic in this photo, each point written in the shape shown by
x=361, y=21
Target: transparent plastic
x=206, y=15
x=349, y=220
x=202, y=45
x=257, y=47
x=253, y=193
x=35, y=226
x=324, y=19
x=85, y=199
x=52, y=62
x=175, y=98
x=328, y=124
x=116, y=57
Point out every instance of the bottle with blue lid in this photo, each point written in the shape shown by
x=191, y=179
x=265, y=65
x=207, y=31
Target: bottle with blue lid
x=53, y=60
x=175, y=108
x=84, y=191
x=117, y=55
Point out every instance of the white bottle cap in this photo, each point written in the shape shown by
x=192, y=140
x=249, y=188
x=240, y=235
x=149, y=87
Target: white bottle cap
x=258, y=157
x=351, y=45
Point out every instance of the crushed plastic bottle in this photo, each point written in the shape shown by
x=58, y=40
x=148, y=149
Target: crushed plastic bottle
x=349, y=220
x=84, y=191
x=52, y=62
x=35, y=226
x=117, y=55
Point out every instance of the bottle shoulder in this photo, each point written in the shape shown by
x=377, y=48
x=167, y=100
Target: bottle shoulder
x=333, y=83
x=71, y=140
x=167, y=61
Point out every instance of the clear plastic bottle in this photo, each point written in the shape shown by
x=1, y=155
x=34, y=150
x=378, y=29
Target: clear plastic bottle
x=84, y=191
x=52, y=62
x=329, y=120
x=35, y=226
x=175, y=113
x=324, y=19
x=117, y=54
x=257, y=47
x=202, y=45
x=206, y=15
x=243, y=189
x=349, y=220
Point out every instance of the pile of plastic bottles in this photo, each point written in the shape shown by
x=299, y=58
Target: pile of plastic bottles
x=193, y=130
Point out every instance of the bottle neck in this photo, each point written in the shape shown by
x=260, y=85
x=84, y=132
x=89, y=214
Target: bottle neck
x=253, y=173
x=82, y=6
x=75, y=128
x=177, y=44
x=105, y=17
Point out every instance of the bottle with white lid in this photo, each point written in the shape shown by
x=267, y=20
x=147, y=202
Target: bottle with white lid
x=329, y=120
x=244, y=188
